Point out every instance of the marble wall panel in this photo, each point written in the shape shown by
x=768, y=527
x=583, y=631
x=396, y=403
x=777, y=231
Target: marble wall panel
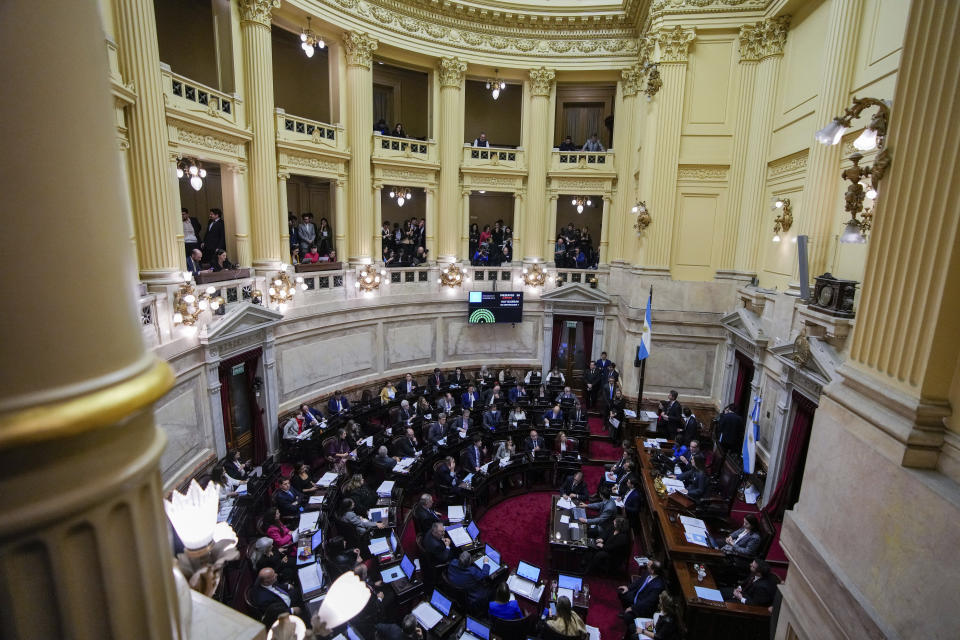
x=326, y=358
x=492, y=341
x=688, y=368
x=184, y=419
x=410, y=344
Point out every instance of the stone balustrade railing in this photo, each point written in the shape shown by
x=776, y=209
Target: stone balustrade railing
x=199, y=100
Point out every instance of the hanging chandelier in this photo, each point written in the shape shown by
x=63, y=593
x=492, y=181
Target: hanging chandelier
x=495, y=85
x=309, y=40
x=401, y=195
x=580, y=202
x=191, y=167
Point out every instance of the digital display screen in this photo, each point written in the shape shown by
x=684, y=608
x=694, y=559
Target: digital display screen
x=473, y=530
x=477, y=628
x=528, y=571
x=440, y=602
x=495, y=306
x=408, y=567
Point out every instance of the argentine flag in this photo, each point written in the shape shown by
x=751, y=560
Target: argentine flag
x=643, y=352
x=750, y=438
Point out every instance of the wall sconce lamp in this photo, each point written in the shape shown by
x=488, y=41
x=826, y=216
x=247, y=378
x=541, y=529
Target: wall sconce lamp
x=861, y=218
x=368, y=279
x=208, y=544
x=784, y=219
x=873, y=135
x=453, y=276
x=534, y=275
x=188, y=305
x=282, y=289
x=643, y=216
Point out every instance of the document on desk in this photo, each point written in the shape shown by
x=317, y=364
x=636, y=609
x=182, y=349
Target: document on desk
x=427, y=615
x=696, y=538
x=629, y=413
x=310, y=577
x=316, y=500
x=385, y=490
x=327, y=479
x=708, y=594
x=648, y=416
x=367, y=442
x=484, y=467
x=673, y=483
x=565, y=592
x=305, y=435
x=308, y=521
x=459, y=536
x=455, y=513
x=687, y=521
x=593, y=632
x=564, y=519
x=565, y=503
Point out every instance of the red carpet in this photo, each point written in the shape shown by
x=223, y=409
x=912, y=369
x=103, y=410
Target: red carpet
x=602, y=449
x=518, y=529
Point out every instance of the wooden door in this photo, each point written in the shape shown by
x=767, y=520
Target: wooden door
x=572, y=342
x=242, y=420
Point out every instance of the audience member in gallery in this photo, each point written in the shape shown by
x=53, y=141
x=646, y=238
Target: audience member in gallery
x=215, y=237
x=221, y=263
x=399, y=131
x=593, y=144
x=567, y=145
x=306, y=233
x=311, y=256
x=481, y=140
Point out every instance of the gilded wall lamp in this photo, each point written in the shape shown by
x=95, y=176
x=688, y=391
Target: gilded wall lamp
x=368, y=278
x=188, y=305
x=872, y=137
x=282, y=289
x=453, y=276
x=643, y=216
x=784, y=219
x=534, y=275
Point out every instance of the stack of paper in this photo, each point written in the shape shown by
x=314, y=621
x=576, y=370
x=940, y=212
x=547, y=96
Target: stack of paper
x=593, y=632
x=641, y=560
x=565, y=503
x=459, y=537
x=672, y=484
x=629, y=414
x=649, y=443
x=305, y=434
x=308, y=521
x=404, y=465
x=564, y=519
x=648, y=416
x=310, y=578
x=367, y=442
x=315, y=500
x=709, y=594
x=385, y=490
x=327, y=479
x=695, y=530
x=455, y=513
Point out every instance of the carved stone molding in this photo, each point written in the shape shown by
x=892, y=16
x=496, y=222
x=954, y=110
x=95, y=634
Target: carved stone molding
x=283, y=175
x=632, y=79
x=259, y=11
x=763, y=39
x=388, y=173
x=599, y=186
x=675, y=44
x=204, y=139
x=674, y=7
x=451, y=72
x=541, y=81
x=359, y=48
x=307, y=162
x=701, y=172
x=787, y=165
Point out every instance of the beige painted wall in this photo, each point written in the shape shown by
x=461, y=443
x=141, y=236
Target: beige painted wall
x=185, y=33
x=499, y=118
x=306, y=194
x=301, y=85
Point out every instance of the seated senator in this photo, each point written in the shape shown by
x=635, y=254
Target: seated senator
x=289, y=501
x=388, y=393
x=502, y=606
x=364, y=498
x=464, y=575
x=667, y=626
x=338, y=403
x=567, y=622
x=641, y=597
x=758, y=589
x=278, y=532
x=348, y=514
x=745, y=541
x=575, y=487
x=383, y=460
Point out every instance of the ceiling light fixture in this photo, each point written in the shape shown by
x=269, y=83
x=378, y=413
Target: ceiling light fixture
x=580, y=202
x=401, y=195
x=495, y=85
x=309, y=40
x=193, y=170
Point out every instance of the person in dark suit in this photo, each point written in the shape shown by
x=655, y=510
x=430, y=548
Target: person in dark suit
x=730, y=429
x=383, y=460
x=602, y=363
x=691, y=426
x=288, y=500
x=409, y=385
x=603, y=521
x=268, y=592
x=518, y=394
x=407, y=447
x=215, y=238
x=674, y=413
x=593, y=378
x=553, y=415
x=460, y=423
x=470, y=398
x=759, y=588
x=423, y=514
x=338, y=403
x=632, y=501
x=235, y=467
x=437, y=431
x=695, y=480
x=194, y=260
x=436, y=381
x=459, y=379
x=613, y=550
x=533, y=442
x=745, y=541
x=447, y=404
x=472, y=456
x=436, y=545
x=312, y=416
x=575, y=487
x=491, y=418
x=446, y=475
x=641, y=596
x=463, y=575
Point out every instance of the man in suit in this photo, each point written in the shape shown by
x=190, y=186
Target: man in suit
x=533, y=443
x=575, y=487
x=268, y=592
x=464, y=575
x=447, y=404
x=730, y=429
x=409, y=385
x=626, y=473
x=554, y=415
x=686, y=461
x=445, y=476
x=609, y=394
x=383, y=460
x=423, y=514
x=473, y=455
x=437, y=431
x=191, y=231
x=603, y=521
x=194, y=258
x=491, y=418
x=493, y=396
x=435, y=381
x=462, y=423
x=215, y=238
x=307, y=233
x=631, y=499
x=695, y=480
x=436, y=545
x=470, y=398
x=407, y=447
x=640, y=597
x=313, y=417
x=593, y=379
x=567, y=396
x=403, y=415
x=338, y=403
x=288, y=500
x=691, y=426
x=674, y=414
x=603, y=363
x=518, y=394
x=759, y=588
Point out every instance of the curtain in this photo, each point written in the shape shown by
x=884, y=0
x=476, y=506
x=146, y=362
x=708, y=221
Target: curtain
x=796, y=448
x=259, y=435
x=382, y=96
x=581, y=120
x=558, y=328
x=738, y=389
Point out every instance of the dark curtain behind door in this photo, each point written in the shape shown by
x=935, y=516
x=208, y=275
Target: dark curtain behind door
x=788, y=484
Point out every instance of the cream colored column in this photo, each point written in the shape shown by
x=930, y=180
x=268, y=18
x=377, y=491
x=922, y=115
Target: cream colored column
x=449, y=73
x=551, y=227
x=258, y=81
x=820, y=199
x=236, y=206
x=746, y=79
x=431, y=222
x=605, y=228
x=906, y=337
x=756, y=220
x=341, y=231
x=619, y=215
x=283, y=211
x=518, y=224
x=359, y=48
x=156, y=218
x=538, y=159
x=465, y=225
x=376, y=239
x=674, y=47
x=84, y=551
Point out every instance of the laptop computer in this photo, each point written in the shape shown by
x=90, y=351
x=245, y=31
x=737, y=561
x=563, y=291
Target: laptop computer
x=429, y=614
x=475, y=630
x=473, y=530
x=353, y=634
x=526, y=579
x=383, y=546
x=491, y=554
x=568, y=586
x=405, y=581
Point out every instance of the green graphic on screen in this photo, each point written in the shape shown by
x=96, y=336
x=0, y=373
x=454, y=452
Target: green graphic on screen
x=481, y=316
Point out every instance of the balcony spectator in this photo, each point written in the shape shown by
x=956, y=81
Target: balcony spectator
x=311, y=257
x=324, y=237
x=306, y=234
x=399, y=131
x=215, y=238
x=193, y=262
x=567, y=144
x=191, y=230
x=593, y=144
x=292, y=231
x=221, y=263
x=382, y=127
x=481, y=140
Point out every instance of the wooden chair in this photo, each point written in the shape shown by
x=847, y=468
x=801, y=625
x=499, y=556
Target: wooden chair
x=718, y=505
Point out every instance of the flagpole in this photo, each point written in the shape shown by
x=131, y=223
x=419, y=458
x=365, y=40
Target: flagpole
x=643, y=367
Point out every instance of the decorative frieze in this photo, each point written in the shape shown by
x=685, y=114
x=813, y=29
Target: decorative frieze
x=788, y=165
x=451, y=72
x=541, y=81
x=203, y=139
x=359, y=48
x=675, y=44
x=632, y=79
x=702, y=172
x=307, y=162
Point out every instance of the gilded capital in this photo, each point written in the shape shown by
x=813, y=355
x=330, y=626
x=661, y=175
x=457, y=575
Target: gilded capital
x=259, y=11
x=675, y=44
x=451, y=72
x=763, y=39
x=631, y=79
x=749, y=43
x=359, y=48
x=541, y=81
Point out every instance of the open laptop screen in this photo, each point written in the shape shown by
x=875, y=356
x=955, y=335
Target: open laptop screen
x=408, y=568
x=440, y=602
x=473, y=530
x=493, y=554
x=393, y=541
x=317, y=539
x=570, y=582
x=352, y=633
x=528, y=571
x=478, y=629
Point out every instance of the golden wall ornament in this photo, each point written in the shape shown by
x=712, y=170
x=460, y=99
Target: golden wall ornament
x=654, y=82
x=369, y=278
x=453, y=275
x=643, y=217
x=259, y=11
x=281, y=290
x=534, y=275
x=451, y=71
x=784, y=219
x=359, y=48
x=773, y=35
x=541, y=81
x=675, y=44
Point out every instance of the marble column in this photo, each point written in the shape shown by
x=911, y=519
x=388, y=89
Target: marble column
x=376, y=240
x=340, y=231
x=255, y=16
x=605, y=229
x=551, y=227
x=518, y=228
x=756, y=219
x=821, y=194
x=283, y=211
x=156, y=217
x=450, y=73
x=431, y=222
x=359, y=48
x=236, y=207
x=465, y=224
x=674, y=45
x=618, y=213
x=538, y=159
x=84, y=548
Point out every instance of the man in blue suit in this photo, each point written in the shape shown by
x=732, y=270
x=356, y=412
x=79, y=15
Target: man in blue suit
x=464, y=575
x=470, y=398
x=473, y=455
x=603, y=363
x=640, y=598
x=631, y=500
x=553, y=415
x=288, y=500
x=518, y=393
x=338, y=403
